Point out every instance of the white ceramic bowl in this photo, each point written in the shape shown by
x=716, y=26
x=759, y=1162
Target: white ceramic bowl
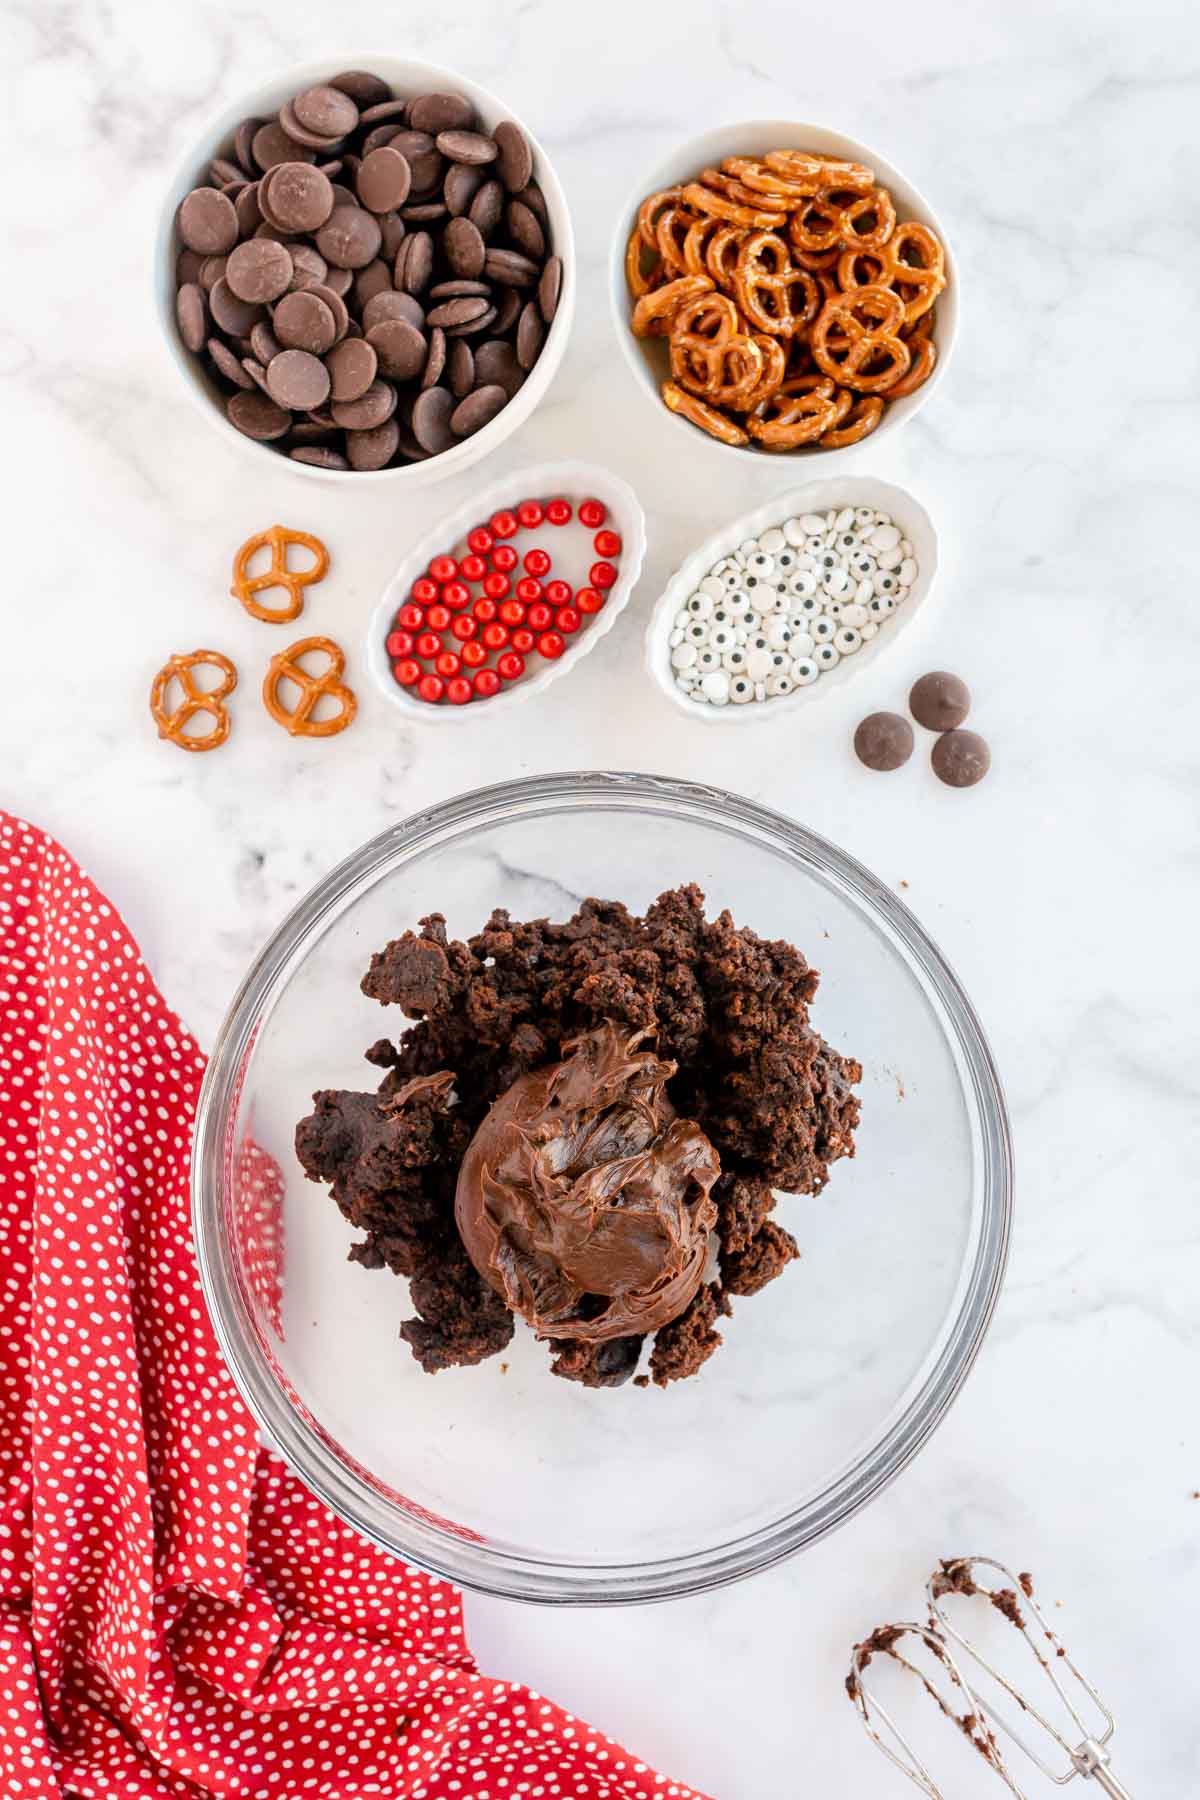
x=576, y=481
x=406, y=78
x=647, y=357
x=815, y=496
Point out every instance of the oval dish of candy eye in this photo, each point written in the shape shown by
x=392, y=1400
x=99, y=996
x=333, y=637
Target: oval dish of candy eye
x=804, y=628
x=549, y=495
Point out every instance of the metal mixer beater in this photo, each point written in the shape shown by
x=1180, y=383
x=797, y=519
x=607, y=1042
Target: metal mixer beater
x=981, y=1717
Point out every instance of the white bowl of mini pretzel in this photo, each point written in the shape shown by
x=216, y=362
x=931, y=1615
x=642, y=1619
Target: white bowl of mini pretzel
x=927, y=319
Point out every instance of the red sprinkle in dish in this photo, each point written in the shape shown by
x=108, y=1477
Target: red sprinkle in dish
x=475, y=616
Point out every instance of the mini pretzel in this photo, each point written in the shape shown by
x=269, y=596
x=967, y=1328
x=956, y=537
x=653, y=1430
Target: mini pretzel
x=854, y=332
x=800, y=165
x=649, y=210
x=705, y=200
x=857, y=423
x=722, y=183
x=816, y=225
x=775, y=368
x=640, y=278
x=766, y=283
x=695, y=245
x=924, y=356
x=798, y=413
x=653, y=313
x=294, y=581
x=868, y=220
x=173, y=724
x=760, y=179
x=285, y=666
x=706, y=417
x=721, y=254
x=710, y=356
x=670, y=235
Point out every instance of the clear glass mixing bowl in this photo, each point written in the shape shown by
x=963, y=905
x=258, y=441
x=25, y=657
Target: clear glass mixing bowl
x=502, y=1477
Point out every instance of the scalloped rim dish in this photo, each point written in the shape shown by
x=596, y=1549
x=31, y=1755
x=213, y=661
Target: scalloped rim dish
x=542, y=480
x=815, y=496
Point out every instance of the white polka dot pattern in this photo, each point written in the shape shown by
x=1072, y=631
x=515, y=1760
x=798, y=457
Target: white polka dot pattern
x=178, y=1616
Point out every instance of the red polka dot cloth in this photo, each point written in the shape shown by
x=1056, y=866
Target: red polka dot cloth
x=179, y=1618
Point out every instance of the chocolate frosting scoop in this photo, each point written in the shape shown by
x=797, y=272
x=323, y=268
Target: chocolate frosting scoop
x=582, y=1198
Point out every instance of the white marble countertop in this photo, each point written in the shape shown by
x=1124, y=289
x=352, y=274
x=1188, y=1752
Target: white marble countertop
x=1059, y=463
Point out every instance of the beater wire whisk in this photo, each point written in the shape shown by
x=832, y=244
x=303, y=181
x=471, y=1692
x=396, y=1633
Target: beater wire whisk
x=1011, y=1597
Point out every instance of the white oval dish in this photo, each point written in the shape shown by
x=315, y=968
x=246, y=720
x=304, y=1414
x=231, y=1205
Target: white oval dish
x=814, y=496
x=406, y=78
x=575, y=480
x=646, y=357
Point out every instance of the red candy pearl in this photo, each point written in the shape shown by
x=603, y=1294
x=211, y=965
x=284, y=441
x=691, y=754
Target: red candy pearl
x=443, y=569
x=568, y=619
x=592, y=513
x=608, y=543
x=428, y=645
x=523, y=640
x=399, y=643
x=602, y=575
x=472, y=568
x=484, y=610
x=438, y=618
x=431, y=687
x=559, y=512
x=463, y=627
x=539, y=616
x=455, y=595
x=529, y=589
x=480, y=540
x=510, y=665
x=474, y=655
x=504, y=558
x=486, y=683
x=448, y=664
x=411, y=617
x=531, y=513
x=512, y=613
x=497, y=586
x=537, y=562
x=459, y=691
x=504, y=524
x=558, y=593
x=424, y=591
x=550, y=644
x=495, y=636
x=590, y=600
x=407, y=672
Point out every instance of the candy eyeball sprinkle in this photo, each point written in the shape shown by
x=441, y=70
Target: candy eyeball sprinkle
x=788, y=605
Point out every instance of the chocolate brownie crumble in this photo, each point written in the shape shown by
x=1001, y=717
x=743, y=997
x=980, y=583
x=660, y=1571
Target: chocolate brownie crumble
x=727, y=1009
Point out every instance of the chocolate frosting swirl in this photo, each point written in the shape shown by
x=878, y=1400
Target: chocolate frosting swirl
x=584, y=1200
